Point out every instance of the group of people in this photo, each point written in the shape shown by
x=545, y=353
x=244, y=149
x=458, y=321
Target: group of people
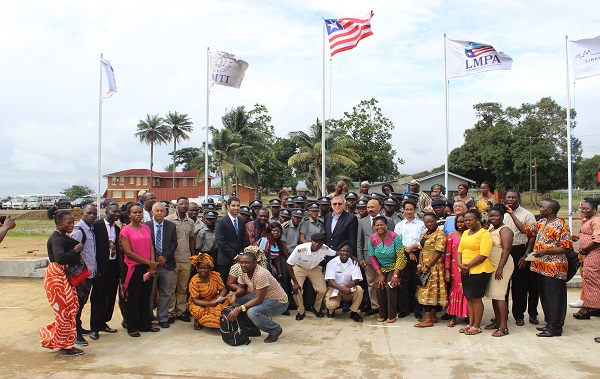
x=387, y=254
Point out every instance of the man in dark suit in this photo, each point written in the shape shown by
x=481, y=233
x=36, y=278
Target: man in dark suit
x=164, y=240
x=340, y=226
x=106, y=281
x=230, y=233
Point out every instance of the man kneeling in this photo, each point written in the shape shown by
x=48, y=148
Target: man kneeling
x=343, y=275
x=260, y=296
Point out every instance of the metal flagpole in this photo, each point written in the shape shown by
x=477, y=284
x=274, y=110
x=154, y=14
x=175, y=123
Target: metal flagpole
x=445, y=119
x=323, y=154
x=569, y=158
x=99, y=138
x=207, y=121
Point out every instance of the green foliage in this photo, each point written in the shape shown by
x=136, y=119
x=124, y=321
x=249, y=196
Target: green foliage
x=498, y=147
x=372, y=132
x=191, y=158
x=586, y=173
x=153, y=131
x=180, y=125
x=78, y=190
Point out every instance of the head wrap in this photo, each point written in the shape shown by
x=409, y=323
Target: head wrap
x=202, y=258
x=258, y=252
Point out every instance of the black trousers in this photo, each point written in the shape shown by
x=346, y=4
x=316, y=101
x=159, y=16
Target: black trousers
x=553, y=295
x=82, y=296
x=138, y=298
x=224, y=271
x=103, y=296
x=407, y=300
x=523, y=286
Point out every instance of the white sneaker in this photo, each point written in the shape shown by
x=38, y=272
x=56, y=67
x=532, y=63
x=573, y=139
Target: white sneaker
x=576, y=304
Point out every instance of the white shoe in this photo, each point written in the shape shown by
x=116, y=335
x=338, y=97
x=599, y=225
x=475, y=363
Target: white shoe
x=576, y=304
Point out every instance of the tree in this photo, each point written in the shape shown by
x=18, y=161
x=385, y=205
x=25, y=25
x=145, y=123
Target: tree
x=78, y=190
x=308, y=158
x=152, y=131
x=180, y=125
x=586, y=173
x=191, y=158
x=372, y=132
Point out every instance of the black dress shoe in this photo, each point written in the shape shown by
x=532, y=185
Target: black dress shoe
x=184, y=318
x=534, y=320
x=331, y=314
x=549, y=333
x=152, y=329
x=273, y=337
x=286, y=313
x=300, y=316
x=597, y=339
x=81, y=341
x=171, y=319
x=319, y=314
x=84, y=332
x=356, y=317
x=542, y=328
x=372, y=311
x=108, y=329
x=403, y=314
x=164, y=324
x=94, y=335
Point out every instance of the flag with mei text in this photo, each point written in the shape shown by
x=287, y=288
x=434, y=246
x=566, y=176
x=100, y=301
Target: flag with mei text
x=111, y=84
x=464, y=57
x=345, y=33
x=586, y=57
x=226, y=69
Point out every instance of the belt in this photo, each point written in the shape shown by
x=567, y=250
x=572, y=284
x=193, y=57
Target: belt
x=524, y=244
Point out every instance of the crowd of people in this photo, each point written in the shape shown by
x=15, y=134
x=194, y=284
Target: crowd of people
x=383, y=254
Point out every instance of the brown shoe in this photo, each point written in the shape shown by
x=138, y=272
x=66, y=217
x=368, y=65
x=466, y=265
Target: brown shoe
x=520, y=322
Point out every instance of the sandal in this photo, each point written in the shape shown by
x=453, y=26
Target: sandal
x=500, y=332
x=491, y=326
x=472, y=331
x=134, y=334
x=451, y=324
x=465, y=329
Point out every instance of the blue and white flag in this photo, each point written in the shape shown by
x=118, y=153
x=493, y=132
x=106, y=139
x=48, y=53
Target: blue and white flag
x=464, y=57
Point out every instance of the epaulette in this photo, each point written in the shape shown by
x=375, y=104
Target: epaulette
x=302, y=249
x=285, y=224
x=325, y=247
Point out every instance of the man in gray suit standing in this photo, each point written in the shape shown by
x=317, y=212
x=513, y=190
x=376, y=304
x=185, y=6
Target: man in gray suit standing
x=365, y=230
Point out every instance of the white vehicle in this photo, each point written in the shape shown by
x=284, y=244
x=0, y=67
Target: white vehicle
x=43, y=201
x=7, y=204
x=19, y=202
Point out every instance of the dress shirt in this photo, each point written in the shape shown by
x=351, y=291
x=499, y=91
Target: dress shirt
x=89, y=247
x=410, y=231
x=307, y=259
x=334, y=221
x=342, y=273
x=112, y=238
x=526, y=217
x=162, y=235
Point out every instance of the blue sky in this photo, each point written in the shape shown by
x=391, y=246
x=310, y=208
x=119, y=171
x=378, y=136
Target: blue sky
x=50, y=52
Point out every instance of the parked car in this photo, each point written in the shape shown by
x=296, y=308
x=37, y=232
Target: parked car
x=6, y=204
x=63, y=203
x=105, y=202
x=81, y=202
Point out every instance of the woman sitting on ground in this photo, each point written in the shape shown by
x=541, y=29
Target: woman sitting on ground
x=208, y=295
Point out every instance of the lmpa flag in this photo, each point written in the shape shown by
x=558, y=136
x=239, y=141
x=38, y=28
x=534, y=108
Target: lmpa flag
x=109, y=74
x=345, y=33
x=470, y=57
x=586, y=57
x=226, y=69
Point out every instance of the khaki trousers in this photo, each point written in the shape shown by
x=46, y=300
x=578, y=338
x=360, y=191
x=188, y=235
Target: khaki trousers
x=318, y=282
x=178, y=303
x=333, y=302
x=371, y=281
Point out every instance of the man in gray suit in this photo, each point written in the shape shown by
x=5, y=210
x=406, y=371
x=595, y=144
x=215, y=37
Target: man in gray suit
x=365, y=229
x=164, y=240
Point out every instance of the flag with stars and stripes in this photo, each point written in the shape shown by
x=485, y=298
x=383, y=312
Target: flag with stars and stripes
x=345, y=33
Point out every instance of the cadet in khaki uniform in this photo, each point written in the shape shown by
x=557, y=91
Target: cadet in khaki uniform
x=311, y=224
x=291, y=229
x=304, y=263
x=205, y=238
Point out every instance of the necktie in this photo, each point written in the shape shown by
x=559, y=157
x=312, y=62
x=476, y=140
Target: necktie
x=159, y=239
x=235, y=225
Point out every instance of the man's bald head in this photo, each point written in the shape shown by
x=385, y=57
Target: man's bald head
x=373, y=207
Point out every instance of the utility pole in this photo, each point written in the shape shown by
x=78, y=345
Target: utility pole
x=535, y=179
x=530, y=172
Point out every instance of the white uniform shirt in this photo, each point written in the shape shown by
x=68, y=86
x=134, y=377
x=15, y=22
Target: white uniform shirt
x=303, y=257
x=410, y=231
x=342, y=273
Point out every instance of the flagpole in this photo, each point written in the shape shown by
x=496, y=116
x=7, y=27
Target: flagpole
x=323, y=155
x=446, y=119
x=207, y=121
x=569, y=158
x=99, y=138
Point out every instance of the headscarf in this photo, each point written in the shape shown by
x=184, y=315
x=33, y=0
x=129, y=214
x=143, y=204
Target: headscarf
x=202, y=258
x=258, y=252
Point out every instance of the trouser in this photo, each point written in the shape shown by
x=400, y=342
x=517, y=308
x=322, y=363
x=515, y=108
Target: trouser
x=333, y=302
x=407, y=300
x=286, y=282
x=138, y=297
x=260, y=315
x=522, y=283
x=372, y=283
x=387, y=298
x=103, y=296
x=82, y=296
x=553, y=295
x=164, y=280
x=178, y=302
x=318, y=282
x=224, y=271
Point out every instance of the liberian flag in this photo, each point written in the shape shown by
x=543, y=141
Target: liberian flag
x=345, y=33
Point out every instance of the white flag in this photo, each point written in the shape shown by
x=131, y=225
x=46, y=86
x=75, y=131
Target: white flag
x=586, y=57
x=110, y=79
x=226, y=69
x=471, y=57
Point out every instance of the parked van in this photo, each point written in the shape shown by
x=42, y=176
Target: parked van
x=43, y=201
x=19, y=202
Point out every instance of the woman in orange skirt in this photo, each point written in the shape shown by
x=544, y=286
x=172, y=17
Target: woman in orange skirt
x=208, y=295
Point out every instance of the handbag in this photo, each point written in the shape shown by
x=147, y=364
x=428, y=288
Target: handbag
x=423, y=278
x=77, y=273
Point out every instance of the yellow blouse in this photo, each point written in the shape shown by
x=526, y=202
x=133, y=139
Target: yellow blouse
x=471, y=246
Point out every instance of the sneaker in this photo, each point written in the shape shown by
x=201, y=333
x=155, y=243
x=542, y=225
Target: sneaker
x=576, y=304
x=70, y=352
x=81, y=341
x=273, y=337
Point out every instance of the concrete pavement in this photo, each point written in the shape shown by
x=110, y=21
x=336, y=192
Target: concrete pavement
x=338, y=348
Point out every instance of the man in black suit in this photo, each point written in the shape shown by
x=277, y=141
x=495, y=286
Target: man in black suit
x=230, y=233
x=340, y=226
x=106, y=281
x=164, y=240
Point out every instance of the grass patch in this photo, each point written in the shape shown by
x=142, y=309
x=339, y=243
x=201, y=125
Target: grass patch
x=22, y=234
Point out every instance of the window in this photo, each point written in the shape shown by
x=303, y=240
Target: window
x=195, y=182
x=129, y=194
x=145, y=180
x=157, y=182
x=122, y=181
x=131, y=179
x=115, y=180
x=185, y=181
x=138, y=181
x=117, y=194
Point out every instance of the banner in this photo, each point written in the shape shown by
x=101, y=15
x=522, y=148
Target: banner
x=586, y=57
x=345, y=33
x=226, y=69
x=470, y=57
x=110, y=79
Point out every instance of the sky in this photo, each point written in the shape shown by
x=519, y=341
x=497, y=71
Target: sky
x=50, y=51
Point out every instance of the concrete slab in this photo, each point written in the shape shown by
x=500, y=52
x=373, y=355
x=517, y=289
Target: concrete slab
x=23, y=268
x=310, y=348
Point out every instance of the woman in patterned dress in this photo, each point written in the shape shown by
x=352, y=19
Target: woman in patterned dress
x=62, y=252
x=208, y=295
x=457, y=302
x=433, y=293
x=589, y=247
x=484, y=203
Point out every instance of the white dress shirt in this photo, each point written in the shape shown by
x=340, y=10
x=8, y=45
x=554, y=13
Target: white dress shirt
x=303, y=257
x=342, y=273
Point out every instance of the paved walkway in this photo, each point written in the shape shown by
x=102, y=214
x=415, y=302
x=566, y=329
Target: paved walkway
x=310, y=348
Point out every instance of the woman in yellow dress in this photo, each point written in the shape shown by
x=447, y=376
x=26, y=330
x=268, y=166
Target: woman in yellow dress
x=208, y=295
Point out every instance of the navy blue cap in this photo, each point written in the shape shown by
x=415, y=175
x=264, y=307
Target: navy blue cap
x=351, y=196
x=300, y=199
x=411, y=196
x=256, y=203
x=377, y=195
x=362, y=203
x=245, y=210
x=389, y=201
x=210, y=214
x=395, y=195
x=285, y=213
x=438, y=202
x=209, y=206
x=314, y=207
x=274, y=203
x=297, y=212
x=324, y=200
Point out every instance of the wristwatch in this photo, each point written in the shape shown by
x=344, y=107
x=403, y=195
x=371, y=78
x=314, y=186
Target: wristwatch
x=243, y=308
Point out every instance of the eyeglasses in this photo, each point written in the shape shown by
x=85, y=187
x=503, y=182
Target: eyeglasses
x=337, y=203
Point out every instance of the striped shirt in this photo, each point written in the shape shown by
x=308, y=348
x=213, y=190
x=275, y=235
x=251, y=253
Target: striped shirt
x=263, y=279
x=526, y=218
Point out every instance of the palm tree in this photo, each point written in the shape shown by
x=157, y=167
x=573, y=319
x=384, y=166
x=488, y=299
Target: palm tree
x=180, y=125
x=339, y=150
x=152, y=131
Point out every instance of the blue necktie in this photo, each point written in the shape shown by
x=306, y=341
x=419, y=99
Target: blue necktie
x=235, y=225
x=159, y=239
